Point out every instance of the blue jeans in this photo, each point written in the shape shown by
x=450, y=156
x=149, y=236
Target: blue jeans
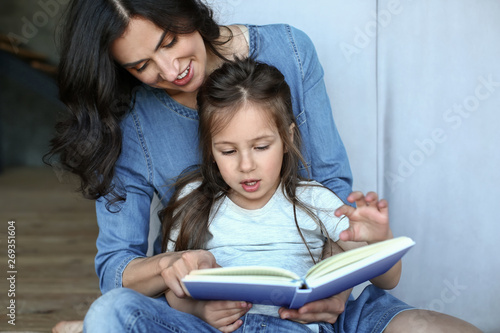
x=126, y=311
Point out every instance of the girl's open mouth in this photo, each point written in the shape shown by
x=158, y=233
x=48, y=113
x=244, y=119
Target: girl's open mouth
x=250, y=185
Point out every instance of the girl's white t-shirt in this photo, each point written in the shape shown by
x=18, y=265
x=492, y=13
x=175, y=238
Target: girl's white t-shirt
x=268, y=236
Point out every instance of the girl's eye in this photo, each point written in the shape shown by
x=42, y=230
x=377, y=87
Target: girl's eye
x=228, y=152
x=262, y=147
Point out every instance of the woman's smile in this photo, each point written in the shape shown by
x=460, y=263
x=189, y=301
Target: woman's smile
x=185, y=77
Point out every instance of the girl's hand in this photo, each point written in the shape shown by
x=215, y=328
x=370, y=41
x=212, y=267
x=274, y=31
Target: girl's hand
x=223, y=315
x=326, y=310
x=369, y=221
x=187, y=262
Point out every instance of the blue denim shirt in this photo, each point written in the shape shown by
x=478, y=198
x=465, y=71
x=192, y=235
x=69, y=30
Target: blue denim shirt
x=160, y=141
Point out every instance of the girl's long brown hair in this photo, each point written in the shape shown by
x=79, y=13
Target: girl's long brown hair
x=223, y=94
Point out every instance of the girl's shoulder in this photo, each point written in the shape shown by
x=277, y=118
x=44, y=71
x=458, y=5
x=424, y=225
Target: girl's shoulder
x=315, y=194
x=189, y=187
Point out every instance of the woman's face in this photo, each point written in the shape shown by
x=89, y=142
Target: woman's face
x=175, y=63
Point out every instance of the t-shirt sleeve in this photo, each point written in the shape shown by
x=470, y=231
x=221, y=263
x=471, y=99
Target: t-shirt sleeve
x=325, y=202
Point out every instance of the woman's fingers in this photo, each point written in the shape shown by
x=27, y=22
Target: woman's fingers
x=173, y=282
x=188, y=261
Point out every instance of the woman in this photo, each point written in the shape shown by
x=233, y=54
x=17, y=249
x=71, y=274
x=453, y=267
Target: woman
x=154, y=56
x=129, y=74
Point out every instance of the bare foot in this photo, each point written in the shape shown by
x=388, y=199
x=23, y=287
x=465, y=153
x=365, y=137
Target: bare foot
x=75, y=326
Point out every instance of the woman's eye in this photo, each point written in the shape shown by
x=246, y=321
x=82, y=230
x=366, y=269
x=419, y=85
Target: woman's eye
x=171, y=43
x=141, y=69
x=262, y=147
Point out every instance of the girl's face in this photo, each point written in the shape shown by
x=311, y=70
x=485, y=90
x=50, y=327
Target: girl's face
x=175, y=63
x=249, y=154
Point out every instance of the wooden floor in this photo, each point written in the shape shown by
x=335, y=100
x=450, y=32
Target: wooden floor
x=55, y=233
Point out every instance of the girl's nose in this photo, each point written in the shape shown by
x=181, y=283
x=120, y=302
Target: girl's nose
x=247, y=163
x=168, y=70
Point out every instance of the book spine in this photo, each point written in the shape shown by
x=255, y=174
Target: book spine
x=300, y=298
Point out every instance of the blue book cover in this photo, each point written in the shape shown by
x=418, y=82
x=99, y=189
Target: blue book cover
x=280, y=287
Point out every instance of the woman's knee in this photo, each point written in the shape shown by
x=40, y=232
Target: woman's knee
x=112, y=309
x=426, y=321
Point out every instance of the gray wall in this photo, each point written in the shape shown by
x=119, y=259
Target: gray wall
x=415, y=91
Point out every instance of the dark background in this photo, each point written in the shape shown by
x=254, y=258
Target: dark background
x=29, y=104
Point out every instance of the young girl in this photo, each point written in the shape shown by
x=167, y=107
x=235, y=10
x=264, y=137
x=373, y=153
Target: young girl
x=247, y=205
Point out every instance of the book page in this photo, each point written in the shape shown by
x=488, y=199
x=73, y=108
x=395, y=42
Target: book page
x=255, y=271
x=347, y=258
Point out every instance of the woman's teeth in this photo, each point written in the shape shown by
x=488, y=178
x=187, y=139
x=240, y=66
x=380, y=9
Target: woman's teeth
x=251, y=183
x=183, y=74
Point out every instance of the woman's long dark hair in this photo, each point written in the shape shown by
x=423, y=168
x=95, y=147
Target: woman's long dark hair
x=226, y=91
x=97, y=91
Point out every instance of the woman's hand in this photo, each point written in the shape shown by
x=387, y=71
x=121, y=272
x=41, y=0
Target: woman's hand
x=369, y=221
x=152, y=276
x=223, y=315
x=326, y=310
x=187, y=261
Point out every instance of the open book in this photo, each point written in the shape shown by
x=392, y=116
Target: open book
x=276, y=286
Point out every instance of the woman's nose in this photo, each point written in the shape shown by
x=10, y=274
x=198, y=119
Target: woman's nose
x=168, y=70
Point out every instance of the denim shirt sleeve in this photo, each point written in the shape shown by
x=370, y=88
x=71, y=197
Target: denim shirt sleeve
x=330, y=165
x=324, y=150
x=124, y=228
